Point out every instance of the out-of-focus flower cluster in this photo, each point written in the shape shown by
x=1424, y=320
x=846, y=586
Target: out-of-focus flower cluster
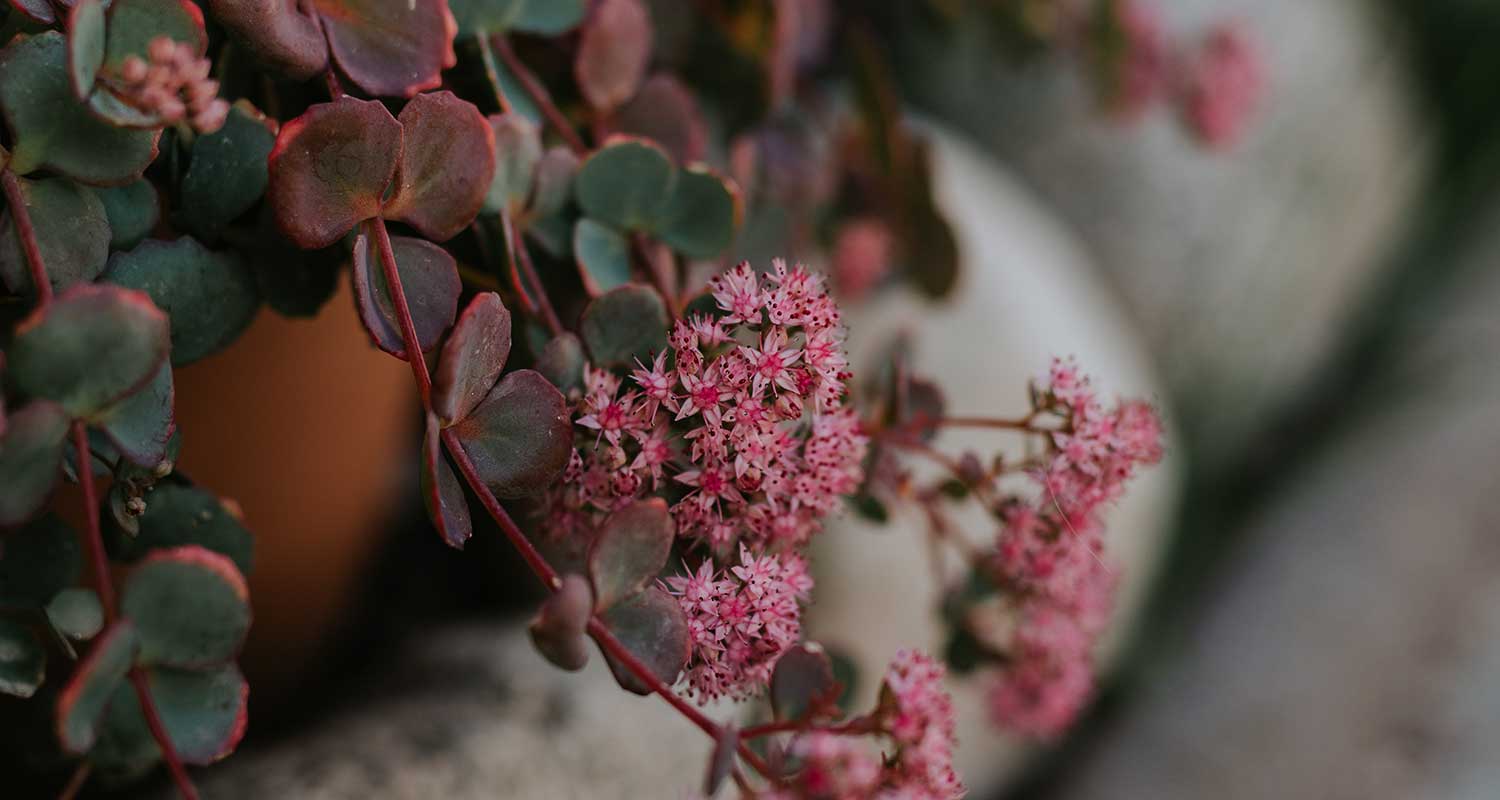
x=916, y=715
x=173, y=85
x=1048, y=559
x=742, y=426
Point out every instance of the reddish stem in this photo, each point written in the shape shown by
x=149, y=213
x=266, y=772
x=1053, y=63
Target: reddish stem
x=492, y=73
x=858, y=726
x=21, y=218
x=1022, y=424
x=539, y=95
x=159, y=732
x=105, y=589
x=516, y=250
x=533, y=558
x=403, y=311
x=75, y=783
x=335, y=89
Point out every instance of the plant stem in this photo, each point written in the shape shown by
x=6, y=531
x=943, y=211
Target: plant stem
x=21, y=218
x=335, y=89
x=492, y=72
x=1022, y=424
x=403, y=312
x=533, y=558
x=99, y=562
x=515, y=250
x=538, y=94
x=159, y=732
x=854, y=727
x=76, y=782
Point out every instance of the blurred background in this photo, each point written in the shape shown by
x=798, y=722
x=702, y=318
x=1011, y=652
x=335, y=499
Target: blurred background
x=1316, y=308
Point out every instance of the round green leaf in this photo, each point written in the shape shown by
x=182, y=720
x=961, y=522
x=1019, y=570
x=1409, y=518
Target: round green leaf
x=76, y=613
x=330, y=168
x=558, y=628
x=210, y=296
x=51, y=128
x=31, y=454
x=630, y=550
x=550, y=17
x=472, y=358
x=446, y=167
x=518, y=148
x=134, y=23
x=626, y=184
x=603, y=256
x=23, y=662
x=625, y=324
x=81, y=705
x=519, y=438
x=653, y=628
x=429, y=279
x=86, y=36
x=91, y=347
x=477, y=17
x=72, y=233
x=561, y=362
x=141, y=426
x=701, y=218
x=190, y=606
x=227, y=174
x=613, y=53
x=132, y=211
x=389, y=49
x=179, y=514
x=37, y=562
x=442, y=494
x=204, y=713
x=554, y=182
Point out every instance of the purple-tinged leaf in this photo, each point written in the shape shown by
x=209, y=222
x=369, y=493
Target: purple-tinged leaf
x=390, y=49
x=141, y=425
x=630, y=550
x=190, y=605
x=82, y=702
x=803, y=682
x=92, y=346
x=603, y=256
x=625, y=324
x=613, y=53
x=665, y=111
x=38, y=561
x=472, y=358
x=653, y=628
x=558, y=629
x=721, y=762
x=447, y=163
x=627, y=183
x=518, y=148
x=429, y=279
x=561, y=362
x=72, y=232
x=38, y=10
x=442, y=494
x=51, y=129
x=31, y=452
x=277, y=34
x=23, y=661
x=330, y=169
x=519, y=437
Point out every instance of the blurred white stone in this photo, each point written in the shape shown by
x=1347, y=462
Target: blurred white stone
x=1240, y=268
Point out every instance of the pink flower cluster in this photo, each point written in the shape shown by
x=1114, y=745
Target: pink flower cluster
x=917, y=715
x=1048, y=555
x=741, y=424
x=174, y=85
x=1221, y=86
x=741, y=620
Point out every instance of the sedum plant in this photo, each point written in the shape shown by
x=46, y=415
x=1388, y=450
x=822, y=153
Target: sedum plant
x=569, y=183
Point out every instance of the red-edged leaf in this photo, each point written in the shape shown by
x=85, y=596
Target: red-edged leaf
x=330, y=169
x=442, y=494
x=190, y=605
x=81, y=705
x=653, y=628
x=141, y=425
x=665, y=111
x=518, y=148
x=390, y=48
x=558, y=628
x=429, y=279
x=38, y=10
x=472, y=358
x=722, y=760
x=802, y=681
x=613, y=53
x=204, y=712
x=31, y=453
x=277, y=34
x=630, y=550
x=625, y=324
x=519, y=437
x=447, y=163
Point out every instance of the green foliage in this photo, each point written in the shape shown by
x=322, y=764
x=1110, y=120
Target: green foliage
x=178, y=514
x=623, y=325
x=23, y=662
x=30, y=457
x=72, y=229
x=210, y=296
x=190, y=606
x=133, y=210
x=81, y=706
x=226, y=173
